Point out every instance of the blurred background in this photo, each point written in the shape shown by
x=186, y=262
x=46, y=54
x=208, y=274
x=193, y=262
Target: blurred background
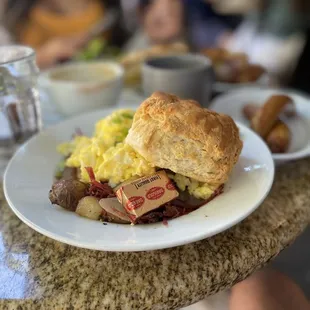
x=88, y=29
x=273, y=34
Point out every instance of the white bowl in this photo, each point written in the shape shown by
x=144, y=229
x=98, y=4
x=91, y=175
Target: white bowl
x=75, y=88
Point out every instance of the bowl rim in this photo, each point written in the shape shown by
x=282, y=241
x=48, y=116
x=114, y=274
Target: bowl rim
x=46, y=78
x=204, y=63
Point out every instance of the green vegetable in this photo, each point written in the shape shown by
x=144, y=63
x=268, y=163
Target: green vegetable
x=95, y=49
x=92, y=51
x=116, y=120
x=127, y=115
x=125, y=131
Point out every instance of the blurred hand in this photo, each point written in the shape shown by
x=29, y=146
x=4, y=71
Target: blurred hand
x=58, y=49
x=163, y=20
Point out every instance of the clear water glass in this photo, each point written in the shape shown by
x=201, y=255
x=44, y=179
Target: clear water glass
x=20, y=115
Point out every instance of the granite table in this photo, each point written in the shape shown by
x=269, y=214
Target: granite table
x=39, y=273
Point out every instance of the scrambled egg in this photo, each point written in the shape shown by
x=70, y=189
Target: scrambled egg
x=195, y=188
x=115, y=161
x=111, y=159
x=122, y=163
x=73, y=146
x=114, y=128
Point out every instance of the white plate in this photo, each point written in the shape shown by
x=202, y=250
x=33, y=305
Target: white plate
x=221, y=87
x=232, y=103
x=28, y=179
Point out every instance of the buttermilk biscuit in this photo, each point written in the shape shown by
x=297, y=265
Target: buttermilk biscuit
x=185, y=138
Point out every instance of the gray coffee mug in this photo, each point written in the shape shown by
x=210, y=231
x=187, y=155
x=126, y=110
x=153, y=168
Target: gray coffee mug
x=188, y=76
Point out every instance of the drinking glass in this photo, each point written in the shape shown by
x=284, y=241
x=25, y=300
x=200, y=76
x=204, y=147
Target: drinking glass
x=20, y=115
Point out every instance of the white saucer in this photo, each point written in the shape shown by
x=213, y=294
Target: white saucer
x=29, y=175
x=232, y=103
x=222, y=87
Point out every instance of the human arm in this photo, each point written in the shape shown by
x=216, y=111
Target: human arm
x=58, y=49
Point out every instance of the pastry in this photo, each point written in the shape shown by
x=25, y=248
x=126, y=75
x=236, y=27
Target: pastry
x=185, y=138
x=267, y=116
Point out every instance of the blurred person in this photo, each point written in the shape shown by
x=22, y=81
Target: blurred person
x=266, y=289
x=301, y=77
x=129, y=9
x=205, y=27
x=193, y=21
x=160, y=21
x=233, y=6
x=5, y=37
x=272, y=33
x=57, y=29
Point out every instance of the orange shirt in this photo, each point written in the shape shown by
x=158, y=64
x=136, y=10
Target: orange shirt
x=42, y=25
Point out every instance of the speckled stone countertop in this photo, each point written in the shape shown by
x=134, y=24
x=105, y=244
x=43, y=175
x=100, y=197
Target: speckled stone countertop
x=39, y=273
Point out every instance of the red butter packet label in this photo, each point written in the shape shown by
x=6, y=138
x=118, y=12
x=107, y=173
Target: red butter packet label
x=146, y=194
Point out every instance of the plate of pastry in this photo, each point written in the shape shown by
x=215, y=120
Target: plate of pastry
x=167, y=174
x=233, y=70
x=280, y=117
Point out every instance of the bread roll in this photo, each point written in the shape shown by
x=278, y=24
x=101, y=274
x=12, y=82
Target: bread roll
x=215, y=54
x=182, y=136
x=267, y=116
x=279, y=138
x=138, y=57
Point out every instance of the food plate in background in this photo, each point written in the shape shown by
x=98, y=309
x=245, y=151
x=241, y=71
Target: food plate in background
x=233, y=70
x=232, y=103
x=29, y=176
x=222, y=87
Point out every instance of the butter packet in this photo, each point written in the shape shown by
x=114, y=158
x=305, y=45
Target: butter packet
x=146, y=194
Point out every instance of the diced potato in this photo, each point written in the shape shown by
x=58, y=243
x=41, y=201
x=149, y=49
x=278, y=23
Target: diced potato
x=67, y=193
x=89, y=207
